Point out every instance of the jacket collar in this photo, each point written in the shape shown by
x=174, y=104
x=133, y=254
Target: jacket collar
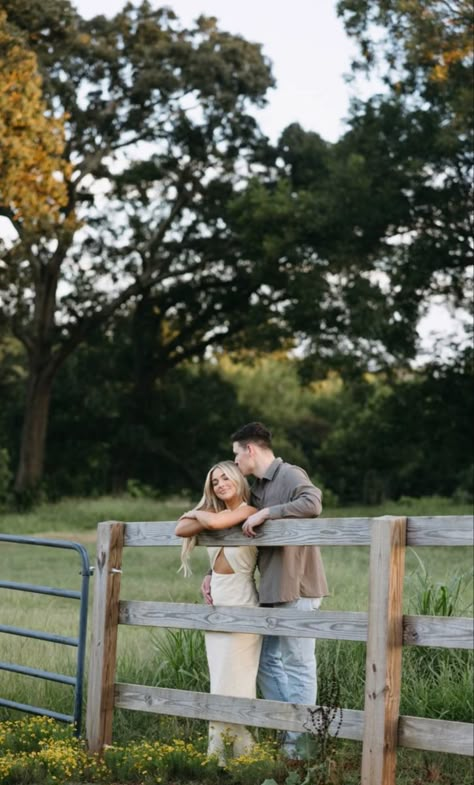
x=272, y=469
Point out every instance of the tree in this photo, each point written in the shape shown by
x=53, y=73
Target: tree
x=424, y=49
x=405, y=435
x=181, y=218
x=32, y=169
x=157, y=119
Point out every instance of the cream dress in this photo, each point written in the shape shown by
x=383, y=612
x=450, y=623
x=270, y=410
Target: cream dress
x=233, y=656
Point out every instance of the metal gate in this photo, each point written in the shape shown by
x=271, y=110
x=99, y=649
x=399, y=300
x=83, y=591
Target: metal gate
x=79, y=642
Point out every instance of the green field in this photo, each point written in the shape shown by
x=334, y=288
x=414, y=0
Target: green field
x=439, y=686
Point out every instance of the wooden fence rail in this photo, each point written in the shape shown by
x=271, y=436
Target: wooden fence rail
x=384, y=629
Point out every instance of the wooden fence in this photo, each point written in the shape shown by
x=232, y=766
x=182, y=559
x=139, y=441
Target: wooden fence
x=384, y=628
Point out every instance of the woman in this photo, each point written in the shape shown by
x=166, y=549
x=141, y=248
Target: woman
x=232, y=657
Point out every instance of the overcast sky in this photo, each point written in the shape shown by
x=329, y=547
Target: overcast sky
x=304, y=39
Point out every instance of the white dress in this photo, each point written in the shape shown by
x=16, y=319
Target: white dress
x=233, y=656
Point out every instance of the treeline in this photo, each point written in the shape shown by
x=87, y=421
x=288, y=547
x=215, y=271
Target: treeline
x=155, y=231
x=363, y=438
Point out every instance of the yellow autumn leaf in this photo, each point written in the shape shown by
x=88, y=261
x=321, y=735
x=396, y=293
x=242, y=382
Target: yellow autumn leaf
x=33, y=173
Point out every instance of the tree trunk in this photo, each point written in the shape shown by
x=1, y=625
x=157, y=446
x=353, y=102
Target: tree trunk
x=33, y=437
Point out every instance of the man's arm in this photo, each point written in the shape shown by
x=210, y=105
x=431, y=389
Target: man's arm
x=305, y=502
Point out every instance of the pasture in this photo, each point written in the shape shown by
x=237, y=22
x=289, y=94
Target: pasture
x=435, y=683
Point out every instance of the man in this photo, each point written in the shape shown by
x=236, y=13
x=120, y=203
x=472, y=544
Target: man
x=290, y=576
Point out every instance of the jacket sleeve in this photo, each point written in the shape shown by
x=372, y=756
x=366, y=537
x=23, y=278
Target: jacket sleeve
x=305, y=500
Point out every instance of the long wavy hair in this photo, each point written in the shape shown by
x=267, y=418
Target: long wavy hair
x=210, y=503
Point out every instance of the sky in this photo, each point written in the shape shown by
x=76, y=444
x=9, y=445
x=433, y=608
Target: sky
x=304, y=39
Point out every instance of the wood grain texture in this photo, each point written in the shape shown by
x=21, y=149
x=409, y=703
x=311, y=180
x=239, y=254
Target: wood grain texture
x=103, y=647
x=243, y=711
x=384, y=651
x=420, y=733
x=294, y=531
x=447, y=632
x=414, y=732
x=440, y=530
x=424, y=530
x=331, y=625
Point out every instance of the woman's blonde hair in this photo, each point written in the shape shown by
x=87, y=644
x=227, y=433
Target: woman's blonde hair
x=211, y=503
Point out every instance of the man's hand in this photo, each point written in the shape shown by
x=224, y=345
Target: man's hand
x=206, y=590
x=255, y=520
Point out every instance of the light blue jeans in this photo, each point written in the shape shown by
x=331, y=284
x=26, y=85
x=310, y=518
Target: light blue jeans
x=287, y=669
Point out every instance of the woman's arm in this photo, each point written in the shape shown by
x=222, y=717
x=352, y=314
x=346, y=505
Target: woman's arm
x=188, y=527
x=225, y=519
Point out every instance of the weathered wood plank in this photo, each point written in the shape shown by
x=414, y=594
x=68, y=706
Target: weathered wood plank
x=384, y=652
x=448, y=632
x=243, y=711
x=301, y=531
x=330, y=625
x=440, y=530
x=413, y=732
x=423, y=530
x=436, y=735
x=103, y=648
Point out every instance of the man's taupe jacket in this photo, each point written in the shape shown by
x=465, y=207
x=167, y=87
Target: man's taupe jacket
x=290, y=571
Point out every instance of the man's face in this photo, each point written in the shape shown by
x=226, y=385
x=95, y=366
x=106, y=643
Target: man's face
x=243, y=457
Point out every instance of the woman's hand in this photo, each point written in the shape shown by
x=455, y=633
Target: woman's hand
x=206, y=590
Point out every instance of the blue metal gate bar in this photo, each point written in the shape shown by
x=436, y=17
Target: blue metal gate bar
x=39, y=674
x=79, y=642
x=40, y=636
x=35, y=710
x=31, y=587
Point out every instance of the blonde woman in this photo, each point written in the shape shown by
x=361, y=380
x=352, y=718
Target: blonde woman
x=232, y=657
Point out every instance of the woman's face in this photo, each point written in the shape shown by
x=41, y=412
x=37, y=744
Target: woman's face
x=224, y=488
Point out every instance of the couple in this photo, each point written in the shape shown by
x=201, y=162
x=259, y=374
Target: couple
x=290, y=576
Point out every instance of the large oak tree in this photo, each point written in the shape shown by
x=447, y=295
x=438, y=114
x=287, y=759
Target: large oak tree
x=142, y=95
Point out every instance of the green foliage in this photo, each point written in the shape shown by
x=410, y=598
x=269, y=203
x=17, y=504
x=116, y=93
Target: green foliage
x=432, y=598
x=365, y=439
x=180, y=658
x=139, y=490
x=439, y=672
x=398, y=437
x=424, y=51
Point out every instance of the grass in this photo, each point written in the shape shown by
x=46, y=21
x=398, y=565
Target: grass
x=435, y=682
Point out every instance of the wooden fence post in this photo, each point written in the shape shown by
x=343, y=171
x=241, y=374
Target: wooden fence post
x=103, y=651
x=384, y=651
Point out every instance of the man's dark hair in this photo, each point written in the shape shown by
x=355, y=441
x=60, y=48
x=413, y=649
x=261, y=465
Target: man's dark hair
x=254, y=432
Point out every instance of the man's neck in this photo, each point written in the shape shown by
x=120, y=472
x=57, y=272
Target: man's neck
x=262, y=462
